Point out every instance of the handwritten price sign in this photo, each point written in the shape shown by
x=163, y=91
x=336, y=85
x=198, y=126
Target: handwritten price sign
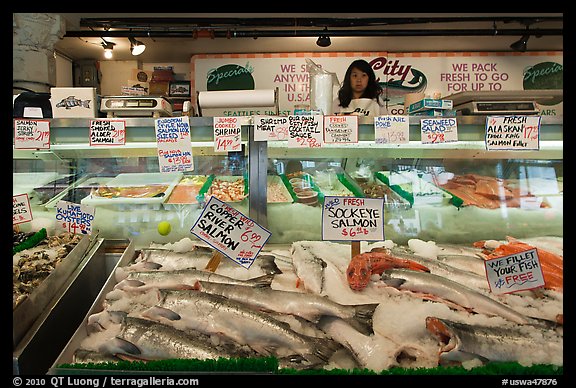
x=31, y=134
x=270, y=128
x=21, y=211
x=230, y=232
x=227, y=131
x=440, y=130
x=391, y=129
x=74, y=218
x=513, y=132
x=353, y=219
x=341, y=129
x=305, y=131
x=174, y=144
x=107, y=132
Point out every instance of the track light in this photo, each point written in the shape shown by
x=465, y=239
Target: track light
x=324, y=39
x=520, y=45
x=136, y=47
x=108, y=47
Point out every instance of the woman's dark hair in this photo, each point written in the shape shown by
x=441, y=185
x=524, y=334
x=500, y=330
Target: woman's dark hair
x=373, y=90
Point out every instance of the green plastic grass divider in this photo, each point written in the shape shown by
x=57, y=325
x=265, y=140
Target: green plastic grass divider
x=31, y=241
x=350, y=185
x=396, y=188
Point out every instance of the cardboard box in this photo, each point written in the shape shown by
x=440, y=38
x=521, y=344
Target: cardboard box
x=141, y=75
x=435, y=112
x=160, y=88
x=74, y=102
x=429, y=103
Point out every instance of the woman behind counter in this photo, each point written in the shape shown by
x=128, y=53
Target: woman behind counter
x=360, y=93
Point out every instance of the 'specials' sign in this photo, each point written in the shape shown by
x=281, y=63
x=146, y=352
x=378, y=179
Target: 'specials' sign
x=230, y=232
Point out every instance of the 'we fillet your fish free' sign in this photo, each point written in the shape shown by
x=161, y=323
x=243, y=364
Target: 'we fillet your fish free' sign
x=517, y=272
x=353, y=219
x=230, y=232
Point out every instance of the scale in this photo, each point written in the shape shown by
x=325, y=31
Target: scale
x=509, y=102
x=135, y=106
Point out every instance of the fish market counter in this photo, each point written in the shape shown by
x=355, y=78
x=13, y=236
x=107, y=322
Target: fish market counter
x=305, y=304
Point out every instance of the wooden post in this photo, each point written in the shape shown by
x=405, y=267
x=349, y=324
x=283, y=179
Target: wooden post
x=214, y=261
x=355, y=248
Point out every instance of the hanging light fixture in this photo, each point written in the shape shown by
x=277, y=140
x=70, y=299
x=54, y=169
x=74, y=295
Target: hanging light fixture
x=520, y=45
x=136, y=47
x=108, y=47
x=324, y=39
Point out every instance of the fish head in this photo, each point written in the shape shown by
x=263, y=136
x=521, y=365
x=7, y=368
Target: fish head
x=358, y=274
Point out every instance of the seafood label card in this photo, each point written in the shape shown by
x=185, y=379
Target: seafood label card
x=230, y=232
x=391, y=129
x=227, y=134
x=439, y=130
x=513, y=132
x=174, y=144
x=305, y=131
x=107, y=132
x=517, y=272
x=21, y=211
x=74, y=218
x=31, y=134
x=352, y=219
x=341, y=129
x=270, y=128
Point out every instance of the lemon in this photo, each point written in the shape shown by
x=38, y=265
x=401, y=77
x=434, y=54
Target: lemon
x=164, y=228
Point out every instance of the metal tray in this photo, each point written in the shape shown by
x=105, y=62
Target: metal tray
x=24, y=315
x=67, y=354
x=50, y=332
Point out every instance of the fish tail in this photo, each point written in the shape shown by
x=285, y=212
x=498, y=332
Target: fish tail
x=362, y=320
x=324, y=348
x=156, y=313
x=262, y=281
x=119, y=346
x=268, y=264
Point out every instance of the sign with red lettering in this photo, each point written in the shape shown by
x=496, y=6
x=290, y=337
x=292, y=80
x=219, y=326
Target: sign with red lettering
x=21, y=211
x=353, y=219
x=31, y=134
x=230, y=232
x=439, y=130
x=227, y=134
x=174, y=144
x=518, y=272
x=513, y=132
x=341, y=129
x=74, y=218
x=107, y=132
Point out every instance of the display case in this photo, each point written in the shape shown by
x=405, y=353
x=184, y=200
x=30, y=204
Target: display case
x=417, y=181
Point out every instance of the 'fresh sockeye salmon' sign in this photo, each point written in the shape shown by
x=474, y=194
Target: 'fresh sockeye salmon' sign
x=353, y=219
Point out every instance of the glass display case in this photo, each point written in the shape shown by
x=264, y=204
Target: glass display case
x=449, y=192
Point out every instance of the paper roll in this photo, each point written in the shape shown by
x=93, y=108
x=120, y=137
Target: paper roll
x=321, y=92
x=237, y=98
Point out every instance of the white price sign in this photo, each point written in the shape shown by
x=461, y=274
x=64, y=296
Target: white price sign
x=391, y=129
x=230, y=232
x=353, y=219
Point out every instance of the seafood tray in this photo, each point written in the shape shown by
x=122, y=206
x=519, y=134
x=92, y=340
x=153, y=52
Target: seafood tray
x=79, y=190
x=282, y=194
x=119, y=189
x=187, y=190
x=414, y=189
x=222, y=192
x=52, y=330
x=41, y=187
x=378, y=189
x=66, y=356
x=27, y=311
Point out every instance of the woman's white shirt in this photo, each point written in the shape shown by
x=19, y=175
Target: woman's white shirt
x=360, y=107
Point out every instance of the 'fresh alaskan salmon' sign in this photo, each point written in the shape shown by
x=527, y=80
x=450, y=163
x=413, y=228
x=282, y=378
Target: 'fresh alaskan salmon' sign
x=517, y=272
x=230, y=232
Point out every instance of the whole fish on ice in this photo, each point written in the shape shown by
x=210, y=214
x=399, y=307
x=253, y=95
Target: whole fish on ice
x=214, y=314
x=437, y=287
